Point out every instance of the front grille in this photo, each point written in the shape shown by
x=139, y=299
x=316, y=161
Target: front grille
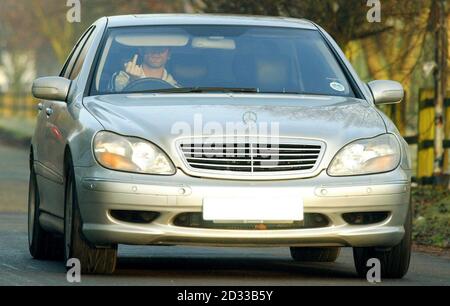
x=251, y=157
x=195, y=220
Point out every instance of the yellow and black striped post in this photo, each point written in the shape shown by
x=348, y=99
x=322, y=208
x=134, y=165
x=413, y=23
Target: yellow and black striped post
x=446, y=144
x=427, y=131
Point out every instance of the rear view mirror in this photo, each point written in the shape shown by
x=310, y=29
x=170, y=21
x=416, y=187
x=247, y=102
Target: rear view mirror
x=51, y=88
x=213, y=43
x=153, y=40
x=386, y=92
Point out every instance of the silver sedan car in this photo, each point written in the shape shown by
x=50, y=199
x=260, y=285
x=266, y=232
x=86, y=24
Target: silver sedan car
x=216, y=131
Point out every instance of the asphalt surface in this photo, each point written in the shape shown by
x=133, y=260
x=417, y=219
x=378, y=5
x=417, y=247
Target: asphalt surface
x=14, y=175
x=176, y=265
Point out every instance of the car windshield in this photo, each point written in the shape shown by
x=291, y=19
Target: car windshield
x=183, y=59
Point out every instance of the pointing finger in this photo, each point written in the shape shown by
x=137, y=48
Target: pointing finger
x=135, y=57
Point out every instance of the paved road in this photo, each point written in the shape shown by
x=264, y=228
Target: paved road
x=175, y=265
x=13, y=179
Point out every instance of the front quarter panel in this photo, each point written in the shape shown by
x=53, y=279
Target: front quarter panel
x=79, y=140
x=391, y=128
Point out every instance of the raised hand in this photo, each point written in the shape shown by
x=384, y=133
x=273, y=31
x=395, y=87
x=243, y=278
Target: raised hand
x=133, y=69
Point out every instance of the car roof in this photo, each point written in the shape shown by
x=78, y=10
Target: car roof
x=208, y=19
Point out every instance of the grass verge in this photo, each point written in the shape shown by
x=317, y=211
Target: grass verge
x=431, y=216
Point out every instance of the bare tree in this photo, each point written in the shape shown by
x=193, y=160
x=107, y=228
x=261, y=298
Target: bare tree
x=346, y=20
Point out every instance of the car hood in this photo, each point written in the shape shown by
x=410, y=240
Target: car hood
x=161, y=118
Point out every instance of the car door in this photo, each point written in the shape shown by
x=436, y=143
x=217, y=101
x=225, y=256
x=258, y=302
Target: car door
x=53, y=138
x=59, y=117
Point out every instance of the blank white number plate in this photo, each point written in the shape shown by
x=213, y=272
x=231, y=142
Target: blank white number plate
x=283, y=208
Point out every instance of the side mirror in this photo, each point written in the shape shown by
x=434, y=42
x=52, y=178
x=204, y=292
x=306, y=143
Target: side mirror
x=51, y=88
x=386, y=92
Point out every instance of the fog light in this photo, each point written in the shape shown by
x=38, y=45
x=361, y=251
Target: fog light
x=132, y=216
x=319, y=219
x=365, y=218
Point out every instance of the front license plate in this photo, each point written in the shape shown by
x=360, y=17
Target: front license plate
x=257, y=209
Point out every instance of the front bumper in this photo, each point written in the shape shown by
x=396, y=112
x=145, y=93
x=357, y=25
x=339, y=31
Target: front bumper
x=101, y=190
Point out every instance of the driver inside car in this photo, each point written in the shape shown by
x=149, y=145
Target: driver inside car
x=153, y=66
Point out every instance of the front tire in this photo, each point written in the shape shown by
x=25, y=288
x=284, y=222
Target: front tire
x=315, y=254
x=394, y=262
x=42, y=245
x=93, y=260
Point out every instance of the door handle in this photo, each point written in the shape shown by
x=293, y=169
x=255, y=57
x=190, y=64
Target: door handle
x=49, y=111
x=40, y=106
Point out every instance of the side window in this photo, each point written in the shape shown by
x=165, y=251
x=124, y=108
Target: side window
x=82, y=56
x=74, y=55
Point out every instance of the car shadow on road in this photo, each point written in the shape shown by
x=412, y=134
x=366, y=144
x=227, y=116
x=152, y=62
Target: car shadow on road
x=231, y=267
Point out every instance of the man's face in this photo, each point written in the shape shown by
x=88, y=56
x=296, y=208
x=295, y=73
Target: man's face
x=156, y=57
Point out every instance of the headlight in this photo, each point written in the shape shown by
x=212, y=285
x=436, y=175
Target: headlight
x=367, y=156
x=130, y=154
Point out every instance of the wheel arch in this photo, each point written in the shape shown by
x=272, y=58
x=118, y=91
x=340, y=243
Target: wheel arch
x=68, y=160
x=31, y=156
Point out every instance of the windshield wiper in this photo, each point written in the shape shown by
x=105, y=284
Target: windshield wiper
x=201, y=90
x=282, y=92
